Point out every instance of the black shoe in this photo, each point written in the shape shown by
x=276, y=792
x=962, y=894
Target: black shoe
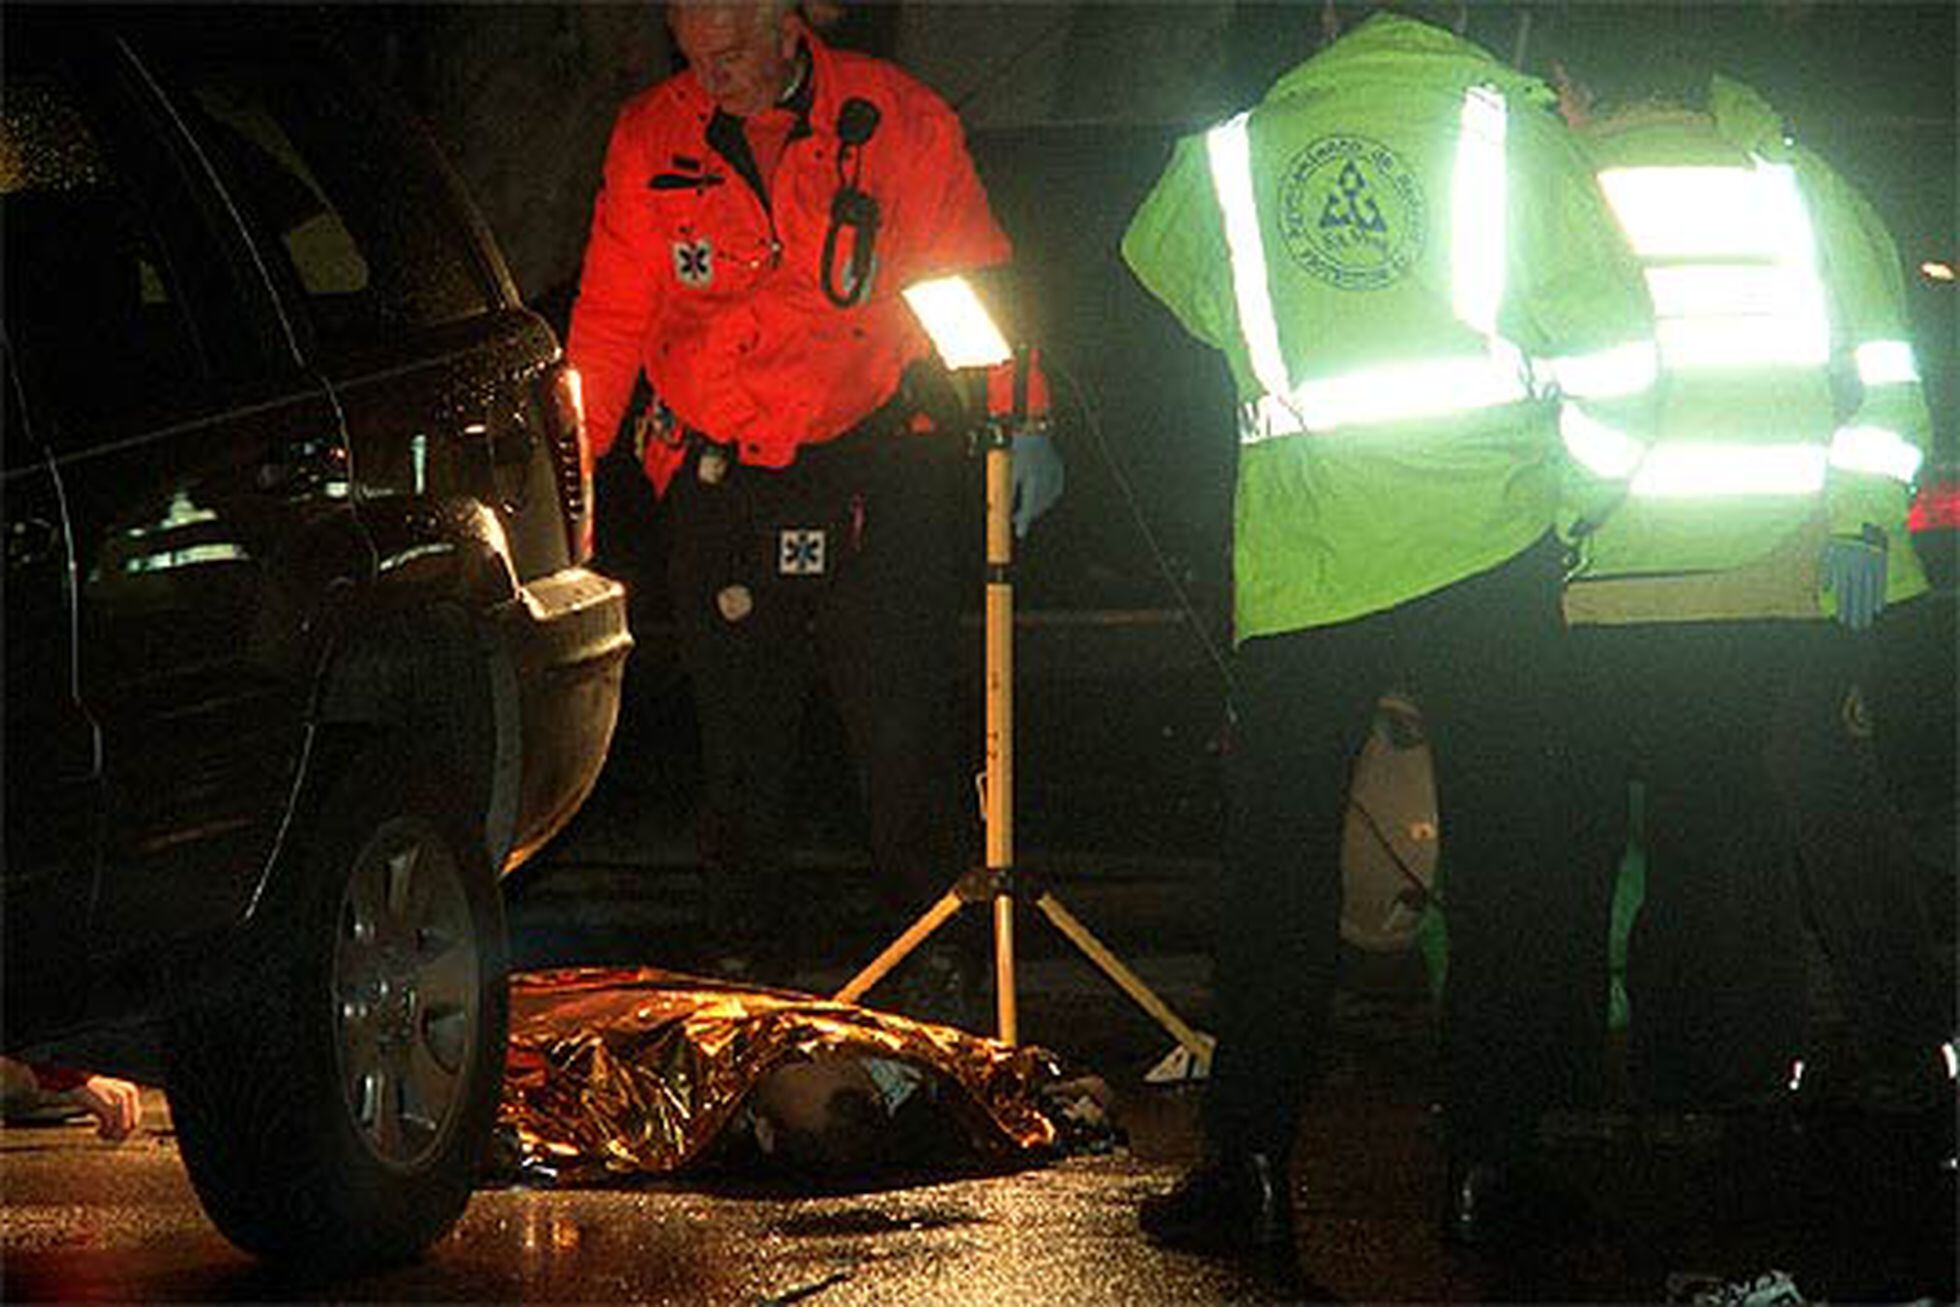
x=1499, y=1204
x=1239, y=1204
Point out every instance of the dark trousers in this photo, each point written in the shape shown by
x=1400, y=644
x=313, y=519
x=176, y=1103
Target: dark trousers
x=1862, y=882
x=1715, y=976
x=876, y=626
x=1484, y=660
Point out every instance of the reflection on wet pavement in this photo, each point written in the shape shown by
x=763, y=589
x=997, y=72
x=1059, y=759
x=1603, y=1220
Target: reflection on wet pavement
x=1854, y=1208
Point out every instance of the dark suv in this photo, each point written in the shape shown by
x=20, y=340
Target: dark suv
x=301, y=647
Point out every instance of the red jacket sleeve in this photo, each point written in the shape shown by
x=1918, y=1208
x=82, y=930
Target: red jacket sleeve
x=617, y=285
x=945, y=223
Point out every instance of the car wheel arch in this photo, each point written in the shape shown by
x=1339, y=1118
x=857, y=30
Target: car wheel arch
x=438, y=671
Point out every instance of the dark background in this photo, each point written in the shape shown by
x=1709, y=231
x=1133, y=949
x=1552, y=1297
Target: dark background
x=1071, y=110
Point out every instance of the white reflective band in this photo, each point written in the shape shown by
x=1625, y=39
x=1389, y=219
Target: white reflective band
x=1390, y=393
x=1724, y=289
x=1886, y=363
x=1679, y=470
x=1806, y=315
x=1607, y=373
x=1605, y=451
x=1691, y=212
x=1880, y=451
x=1477, y=212
x=1701, y=343
x=1397, y=391
x=1788, y=216
x=1228, y=147
x=1754, y=299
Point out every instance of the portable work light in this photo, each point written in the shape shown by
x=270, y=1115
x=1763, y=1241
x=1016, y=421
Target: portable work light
x=962, y=329
x=968, y=339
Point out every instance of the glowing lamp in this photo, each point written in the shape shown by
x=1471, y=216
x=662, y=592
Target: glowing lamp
x=962, y=330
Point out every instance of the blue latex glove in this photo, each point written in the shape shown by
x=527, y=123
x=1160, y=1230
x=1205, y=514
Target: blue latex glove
x=1038, y=479
x=1853, y=568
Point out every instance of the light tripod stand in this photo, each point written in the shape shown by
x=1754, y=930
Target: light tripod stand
x=999, y=881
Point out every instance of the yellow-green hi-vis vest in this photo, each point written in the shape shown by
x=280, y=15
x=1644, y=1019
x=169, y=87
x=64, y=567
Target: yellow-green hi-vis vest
x=1405, y=258
x=1792, y=406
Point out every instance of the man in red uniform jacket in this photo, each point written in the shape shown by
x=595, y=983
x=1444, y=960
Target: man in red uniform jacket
x=761, y=212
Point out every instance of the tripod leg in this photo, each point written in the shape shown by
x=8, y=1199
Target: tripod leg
x=1004, y=1014
x=915, y=934
x=1199, y=1043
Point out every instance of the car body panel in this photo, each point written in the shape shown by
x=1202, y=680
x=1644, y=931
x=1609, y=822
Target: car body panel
x=201, y=553
x=53, y=803
x=342, y=500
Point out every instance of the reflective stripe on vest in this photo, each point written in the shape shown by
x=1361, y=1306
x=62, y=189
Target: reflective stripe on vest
x=1684, y=470
x=1415, y=388
x=1603, y=450
x=1478, y=212
x=1886, y=363
x=1390, y=392
x=1731, y=263
x=1730, y=260
x=1618, y=372
x=1879, y=451
x=1229, y=149
x=1870, y=447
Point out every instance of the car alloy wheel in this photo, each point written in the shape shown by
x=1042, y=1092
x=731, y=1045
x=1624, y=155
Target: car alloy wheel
x=406, y=977
x=334, y=1108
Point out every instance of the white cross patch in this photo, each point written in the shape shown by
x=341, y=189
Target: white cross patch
x=800, y=551
x=694, y=262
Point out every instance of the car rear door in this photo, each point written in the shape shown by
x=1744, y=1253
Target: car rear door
x=401, y=302
x=53, y=793
x=200, y=468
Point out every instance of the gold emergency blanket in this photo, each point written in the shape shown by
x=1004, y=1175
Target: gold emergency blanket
x=617, y=1072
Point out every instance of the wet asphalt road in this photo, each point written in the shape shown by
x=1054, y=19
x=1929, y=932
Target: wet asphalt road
x=1854, y=1208
x=85, y=1222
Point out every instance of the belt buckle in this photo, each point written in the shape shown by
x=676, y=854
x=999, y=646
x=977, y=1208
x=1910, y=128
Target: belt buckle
x=712, y=466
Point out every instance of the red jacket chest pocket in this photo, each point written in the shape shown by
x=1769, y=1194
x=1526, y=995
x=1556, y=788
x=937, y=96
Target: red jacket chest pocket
x=714, y=237
x=804, y=187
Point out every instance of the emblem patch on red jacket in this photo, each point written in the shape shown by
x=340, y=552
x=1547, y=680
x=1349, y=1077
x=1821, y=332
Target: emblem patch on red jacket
x=800, y=552
x=694, y=262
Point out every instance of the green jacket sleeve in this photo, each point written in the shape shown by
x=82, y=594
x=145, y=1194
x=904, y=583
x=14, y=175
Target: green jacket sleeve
x=1883, y=425
x=1176, y=247
x=1581, y=309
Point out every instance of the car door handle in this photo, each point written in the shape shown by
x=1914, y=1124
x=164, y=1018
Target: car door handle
x=508, y=441
x=30, y=541
x=299, y=464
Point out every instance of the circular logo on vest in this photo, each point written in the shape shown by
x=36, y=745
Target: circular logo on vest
x=1351, y=213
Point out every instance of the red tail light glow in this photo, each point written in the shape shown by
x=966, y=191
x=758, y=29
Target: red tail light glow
x=1936, y=507
x=574, y=461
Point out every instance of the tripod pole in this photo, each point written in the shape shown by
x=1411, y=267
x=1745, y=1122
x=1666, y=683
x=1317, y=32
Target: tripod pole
x=999, y=785
x=998, y=879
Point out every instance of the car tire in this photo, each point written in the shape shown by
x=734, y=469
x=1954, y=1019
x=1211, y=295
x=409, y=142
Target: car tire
x=335, y=1110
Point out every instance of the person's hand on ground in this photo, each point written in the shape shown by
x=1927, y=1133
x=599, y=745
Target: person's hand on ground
x=116, y=1105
